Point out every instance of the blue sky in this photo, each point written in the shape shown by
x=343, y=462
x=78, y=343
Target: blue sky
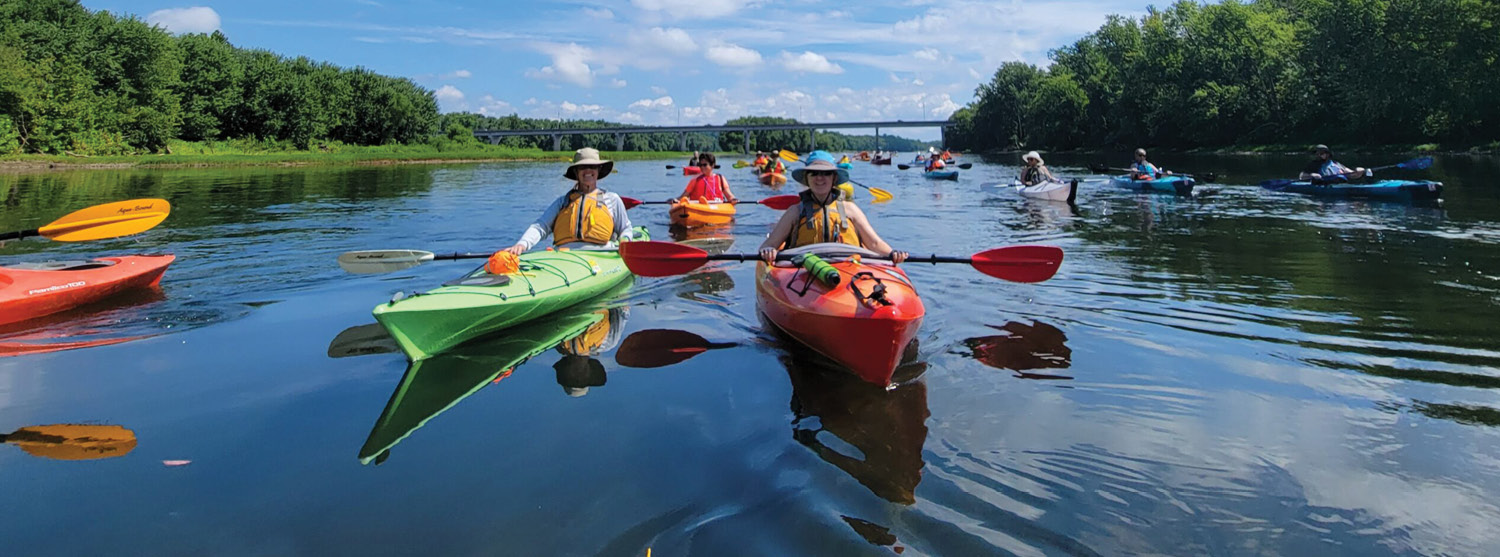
x=662, y=61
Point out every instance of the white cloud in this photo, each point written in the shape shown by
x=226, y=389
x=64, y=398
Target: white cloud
x=617, y=83
x=732, y=56
x=684, y=9
x=569, y=65
x=658, y=90
x=669, y=40
x=491, y=106
x=599, y=13
x=647, y=104
x=460, y=74
x=809, y=62
x=197, y=19
x=450, y=98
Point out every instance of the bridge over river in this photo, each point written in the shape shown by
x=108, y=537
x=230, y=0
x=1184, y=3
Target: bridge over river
x=494, y=136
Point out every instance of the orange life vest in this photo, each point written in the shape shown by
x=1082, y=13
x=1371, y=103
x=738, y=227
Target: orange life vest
x=700, y=188
x=584, y=218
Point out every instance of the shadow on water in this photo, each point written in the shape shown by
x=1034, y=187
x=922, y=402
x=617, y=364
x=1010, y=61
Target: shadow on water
x=1024, y=347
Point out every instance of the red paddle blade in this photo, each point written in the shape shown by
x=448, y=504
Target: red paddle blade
x=780, y=202
x=630, y=202
x=661, y=259
x=660, y=348
x=1019, y=263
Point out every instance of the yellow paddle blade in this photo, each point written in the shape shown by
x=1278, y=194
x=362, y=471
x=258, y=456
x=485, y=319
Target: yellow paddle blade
x=73, y=441
x=881, y=196
x=110, y=220
x=790, y=156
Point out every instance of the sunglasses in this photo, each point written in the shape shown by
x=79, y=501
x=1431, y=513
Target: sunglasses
x=816, y=173
x=705, y=164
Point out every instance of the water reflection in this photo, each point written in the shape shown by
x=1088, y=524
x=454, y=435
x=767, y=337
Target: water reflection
x=72, y=441
x=113, y=320
x=433, y=385
x=872, y=434
x=1024, y=347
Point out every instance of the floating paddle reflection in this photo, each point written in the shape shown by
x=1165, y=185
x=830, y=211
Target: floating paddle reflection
x=72, y=441
x=1023, y=347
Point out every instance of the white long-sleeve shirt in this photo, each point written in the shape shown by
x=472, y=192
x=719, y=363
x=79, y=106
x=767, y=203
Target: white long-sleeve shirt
x=542, y=228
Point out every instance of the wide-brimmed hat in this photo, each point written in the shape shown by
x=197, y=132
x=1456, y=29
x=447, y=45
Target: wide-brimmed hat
x=820, y=160
x=1033, y=155
x=1317, y=148
x=588, y=156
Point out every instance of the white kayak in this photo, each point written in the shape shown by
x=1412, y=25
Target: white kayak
x=1066, y=192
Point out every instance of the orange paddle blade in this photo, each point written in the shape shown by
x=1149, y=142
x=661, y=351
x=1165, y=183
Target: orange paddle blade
x=110, y=220
x=661, y=259
x=1019, y=263
x=780, y=202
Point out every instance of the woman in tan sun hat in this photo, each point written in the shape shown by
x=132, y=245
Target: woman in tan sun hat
x=1036, y=171
x=586, y=215
x=822, y=217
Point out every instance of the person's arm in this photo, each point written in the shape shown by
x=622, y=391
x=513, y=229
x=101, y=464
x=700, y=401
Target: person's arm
x=779, y=234
x=623, y=228
x=538, y=230
x=1046, y=175
x=867, y=235
x=724, y=184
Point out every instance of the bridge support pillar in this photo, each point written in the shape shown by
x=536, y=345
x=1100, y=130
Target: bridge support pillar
x=556, y=142
x=812, y=139
x=681, y=141
x=747, y=142
x=877, y=140
x=619, y=142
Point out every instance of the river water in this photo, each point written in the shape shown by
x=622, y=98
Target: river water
x=1237, y=372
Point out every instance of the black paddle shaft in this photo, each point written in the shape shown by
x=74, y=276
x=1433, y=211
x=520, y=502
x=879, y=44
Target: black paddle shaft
x=21, y=234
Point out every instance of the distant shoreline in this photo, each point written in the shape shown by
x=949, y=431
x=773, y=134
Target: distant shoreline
x=346, y=156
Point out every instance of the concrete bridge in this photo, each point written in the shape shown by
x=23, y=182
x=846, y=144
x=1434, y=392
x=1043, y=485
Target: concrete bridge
x=494, y=136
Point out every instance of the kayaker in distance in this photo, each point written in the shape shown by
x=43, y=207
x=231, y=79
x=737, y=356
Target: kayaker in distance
x=822, y=216
x=1143, y=170
x=1324, y=169
x=1036, y=171
x=773, y=165
x=934, y=163
x=585, y=216
x=708, y=185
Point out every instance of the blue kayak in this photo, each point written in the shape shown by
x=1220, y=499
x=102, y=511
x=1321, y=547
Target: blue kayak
x=1179, y=185
x=940, y=175
x=1403, y=190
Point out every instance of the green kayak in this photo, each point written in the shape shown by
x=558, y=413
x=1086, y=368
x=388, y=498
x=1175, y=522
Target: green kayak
x=433, y=385
x=470, y=306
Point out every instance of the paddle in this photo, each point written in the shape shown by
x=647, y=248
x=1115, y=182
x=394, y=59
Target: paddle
x=361, y=340
x=663, y=347
x=1419, y=163
x=1208, y=177
x=964, y=166
x=384, y=261
x=670, y=167
x=879, y=194
x=72, y=441
x=779, y=202
x=110, y=220
x=1014, y=263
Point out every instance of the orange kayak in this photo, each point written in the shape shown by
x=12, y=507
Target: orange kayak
x=854, y=326
x=702, y=213
x=773, y=179
x=34, y=290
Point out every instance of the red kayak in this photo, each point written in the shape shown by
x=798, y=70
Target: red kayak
x=33, y=290
x=691, y=171
x=864, y=322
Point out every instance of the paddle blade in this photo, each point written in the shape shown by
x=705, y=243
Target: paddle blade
x=780, y=202
x=1019, y=263
x=789, y=156
x=362, y=340
x=1421, y=163
x=110, y=220
x=661, y=259
x=966, y=166
x=669, y=167
x=630, y=202
x=73, y=441
x=903, y=166
x=880, y=195
x=382, y=261
x=662, y=347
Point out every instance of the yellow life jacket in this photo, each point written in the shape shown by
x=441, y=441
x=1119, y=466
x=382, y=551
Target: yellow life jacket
x=584, y=218
x=819, y=223
x=588, y=342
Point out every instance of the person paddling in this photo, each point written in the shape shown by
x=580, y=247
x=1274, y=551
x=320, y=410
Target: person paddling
x=934, y=163
x=586, y=216
x=1324, y=169
x=708, y=185
x=1142, y=169
x=822, y=217
x=1036, y=171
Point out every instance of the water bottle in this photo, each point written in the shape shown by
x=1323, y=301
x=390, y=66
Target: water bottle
x=820, y=270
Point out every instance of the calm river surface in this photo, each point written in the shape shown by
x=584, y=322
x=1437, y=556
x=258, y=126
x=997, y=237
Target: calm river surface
x=1241, y=372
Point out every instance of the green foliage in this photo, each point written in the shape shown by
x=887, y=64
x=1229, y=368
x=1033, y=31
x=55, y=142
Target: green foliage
x=795, y=140
x=1266, y=71
x=92, y=83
